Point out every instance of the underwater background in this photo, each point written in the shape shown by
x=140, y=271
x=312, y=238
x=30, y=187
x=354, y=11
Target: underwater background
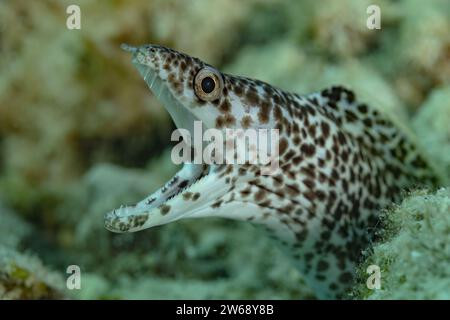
x=81, y=134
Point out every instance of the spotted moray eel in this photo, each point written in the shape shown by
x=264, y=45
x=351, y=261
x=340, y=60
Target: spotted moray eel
x=340, y=162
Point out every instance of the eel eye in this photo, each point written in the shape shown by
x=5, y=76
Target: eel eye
x=208, y=84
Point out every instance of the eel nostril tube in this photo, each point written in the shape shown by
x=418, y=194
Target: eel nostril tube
x=128, y=48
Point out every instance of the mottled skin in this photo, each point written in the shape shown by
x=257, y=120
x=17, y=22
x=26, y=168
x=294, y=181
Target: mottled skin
x=340, y=162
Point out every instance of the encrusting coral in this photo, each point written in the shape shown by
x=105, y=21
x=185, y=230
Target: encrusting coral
x=23, y=275
x=414, y=255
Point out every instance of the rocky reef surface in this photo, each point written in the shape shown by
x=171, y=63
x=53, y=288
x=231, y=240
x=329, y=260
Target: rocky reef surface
x=81, y=134
x=414, y=255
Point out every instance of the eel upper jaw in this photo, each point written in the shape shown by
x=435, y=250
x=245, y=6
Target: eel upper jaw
x=180, y=114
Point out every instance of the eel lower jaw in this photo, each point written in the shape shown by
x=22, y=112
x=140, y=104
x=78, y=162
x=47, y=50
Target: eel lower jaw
x=192, y=202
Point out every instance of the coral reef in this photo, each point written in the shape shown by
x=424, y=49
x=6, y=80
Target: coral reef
x=339, y=32
x=81, y=134
x=414, y=255
x=431, y=124
x=422, y=53
x=64, y=112
x=23, y=275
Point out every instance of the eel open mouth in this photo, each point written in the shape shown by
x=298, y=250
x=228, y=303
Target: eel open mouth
x=181, y=196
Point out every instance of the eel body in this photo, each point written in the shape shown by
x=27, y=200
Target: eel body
x=340, y=162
